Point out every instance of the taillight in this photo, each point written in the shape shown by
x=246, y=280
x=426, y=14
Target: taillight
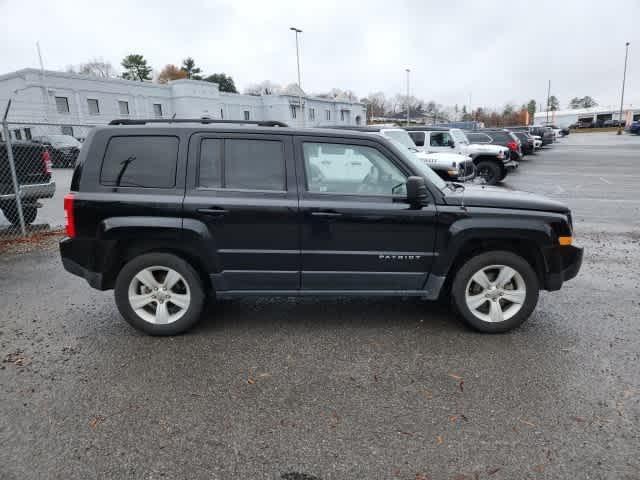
x=512, y=146
x=46, y=162
x=69, y=216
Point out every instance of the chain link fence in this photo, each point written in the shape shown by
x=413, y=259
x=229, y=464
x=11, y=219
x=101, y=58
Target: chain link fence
x=36, y=165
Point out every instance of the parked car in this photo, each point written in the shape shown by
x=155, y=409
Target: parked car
x=527, y=144
x=545, y=133
x=64, y=149
x=492, y=162
x=611, y=123
x=505, y=138
x=450, y=166
x=33, y=173
x=537, y=141
x=635, y=127
x=168, y=214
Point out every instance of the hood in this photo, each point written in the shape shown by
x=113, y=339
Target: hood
x=485, y=148
x=500, y=197
x=441, y=158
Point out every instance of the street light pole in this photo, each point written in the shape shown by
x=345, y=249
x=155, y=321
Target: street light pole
x=297, y=31
x=548, y=98
x=624, y=78
x=408, y=107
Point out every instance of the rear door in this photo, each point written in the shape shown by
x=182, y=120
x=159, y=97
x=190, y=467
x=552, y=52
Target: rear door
x=357, y=233
x=243, y=188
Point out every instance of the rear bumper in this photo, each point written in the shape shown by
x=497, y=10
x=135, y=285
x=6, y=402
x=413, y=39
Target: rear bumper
x=32, y=191
x=563, y=263
x=77, y=258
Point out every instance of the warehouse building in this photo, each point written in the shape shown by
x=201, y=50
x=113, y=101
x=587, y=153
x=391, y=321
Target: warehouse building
x=594, y=116
x=78, y=102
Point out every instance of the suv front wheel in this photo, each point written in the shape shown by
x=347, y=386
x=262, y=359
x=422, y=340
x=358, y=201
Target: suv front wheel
x=495, y=291
x=159, y=294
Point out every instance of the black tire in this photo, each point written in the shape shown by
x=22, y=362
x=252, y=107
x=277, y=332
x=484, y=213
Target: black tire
x=29, y=214
x=489, y=171
x=474, y=265
x=191, y=278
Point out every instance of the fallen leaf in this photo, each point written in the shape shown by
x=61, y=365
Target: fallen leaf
x=250, y=381
x=375, y=378
x=428, y=395
x=264, y=375
x=493, y=471
x=453, y=418
x=528, y=423
x=579, y=419
x=405, y=433
x=538, y=468
x=457, y=377
x=421, y=476
x=439, y=440
x=461, y=385
x=96, y=420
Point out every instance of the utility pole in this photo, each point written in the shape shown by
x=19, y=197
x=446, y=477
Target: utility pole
x=548, y=97
x=408, y=106
x=297, y=31
x=624, y=78
x=45, y=101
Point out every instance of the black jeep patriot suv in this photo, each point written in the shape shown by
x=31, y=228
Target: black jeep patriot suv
x=170, y=213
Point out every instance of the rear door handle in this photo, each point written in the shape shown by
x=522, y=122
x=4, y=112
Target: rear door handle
x=326, y=214
x=213, y=211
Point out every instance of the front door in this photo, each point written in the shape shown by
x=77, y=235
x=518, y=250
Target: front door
x=357, y=234
x=244, y=191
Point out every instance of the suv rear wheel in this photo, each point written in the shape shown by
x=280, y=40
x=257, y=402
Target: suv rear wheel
x=159, y=294
x=495, y=291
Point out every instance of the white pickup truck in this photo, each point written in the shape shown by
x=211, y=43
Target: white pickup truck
x=492, y=162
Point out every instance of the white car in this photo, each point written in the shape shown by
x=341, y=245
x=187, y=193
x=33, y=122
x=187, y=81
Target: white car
x=537, y=141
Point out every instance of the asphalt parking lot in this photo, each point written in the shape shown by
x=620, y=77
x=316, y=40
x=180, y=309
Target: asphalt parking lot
x=334, y=388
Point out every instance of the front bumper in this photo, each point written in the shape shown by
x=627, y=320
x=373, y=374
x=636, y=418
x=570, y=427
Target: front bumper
x=563, y=263
x=511, y=165
x=32, y=191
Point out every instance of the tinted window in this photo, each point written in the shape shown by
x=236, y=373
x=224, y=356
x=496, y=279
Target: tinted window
x=440, y=139
x=140, y=161
x=350, y=169
x=210, y=173
x=418, y=138
x=254, y=164
x=500, y=137
x=478, y=138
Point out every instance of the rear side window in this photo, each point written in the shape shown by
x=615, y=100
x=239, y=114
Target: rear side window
x=140, y=161
x=418, y=138
x=500, y=136
x=242, y=164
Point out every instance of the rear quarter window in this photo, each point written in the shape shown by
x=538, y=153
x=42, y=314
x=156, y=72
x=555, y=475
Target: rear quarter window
x=142, y=161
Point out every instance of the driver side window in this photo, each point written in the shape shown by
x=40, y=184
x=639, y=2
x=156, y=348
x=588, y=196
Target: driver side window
x=440, y=139
x=350, y=169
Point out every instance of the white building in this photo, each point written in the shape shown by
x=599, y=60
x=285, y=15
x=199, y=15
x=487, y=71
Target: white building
x=75, y=103
x=594, y=115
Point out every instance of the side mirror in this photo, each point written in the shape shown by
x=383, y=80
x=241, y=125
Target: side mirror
x=416, y=191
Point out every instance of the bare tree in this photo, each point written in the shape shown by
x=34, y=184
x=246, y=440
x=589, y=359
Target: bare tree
x=97, y=67
x=266, y=87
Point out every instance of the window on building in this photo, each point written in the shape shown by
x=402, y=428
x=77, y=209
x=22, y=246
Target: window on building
x=123, y=107
x=293, y=111
x=247, y=115
x=247, y=164
x=93, y=106
x=327, y=114
x=350, y=169
x=157, y=109
x=140, y=161
x=342, y=115
x=67, y=130
x=62, y=104
x=27, y=134
x=312, y=114
x=18, y=134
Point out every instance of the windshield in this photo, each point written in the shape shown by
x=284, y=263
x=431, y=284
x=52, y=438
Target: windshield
x=63, y=141
x=422, y=167
x=400, y=136
x=459, y=136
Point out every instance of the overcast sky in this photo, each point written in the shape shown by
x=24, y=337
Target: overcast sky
x=495, y=51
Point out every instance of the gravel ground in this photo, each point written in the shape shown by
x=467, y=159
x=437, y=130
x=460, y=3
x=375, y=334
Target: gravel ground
x=334, y=388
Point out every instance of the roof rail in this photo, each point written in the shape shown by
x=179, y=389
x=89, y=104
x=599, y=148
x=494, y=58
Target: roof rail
x=144, y=121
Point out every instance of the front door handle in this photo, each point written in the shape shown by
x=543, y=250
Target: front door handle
x=213, y=211
x=326, y=214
